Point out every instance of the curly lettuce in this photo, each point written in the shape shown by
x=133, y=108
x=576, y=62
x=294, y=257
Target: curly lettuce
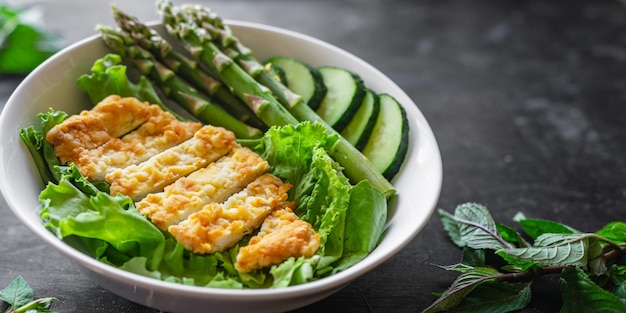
x=108, y=77
x=110, y=227
x=350, y=219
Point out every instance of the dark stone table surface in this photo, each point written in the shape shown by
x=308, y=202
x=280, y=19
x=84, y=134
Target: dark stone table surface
x=527, y=100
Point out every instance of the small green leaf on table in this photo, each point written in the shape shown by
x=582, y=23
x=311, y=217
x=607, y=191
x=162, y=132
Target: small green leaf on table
x=21, y=298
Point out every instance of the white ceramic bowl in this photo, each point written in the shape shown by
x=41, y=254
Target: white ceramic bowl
x=53, y=84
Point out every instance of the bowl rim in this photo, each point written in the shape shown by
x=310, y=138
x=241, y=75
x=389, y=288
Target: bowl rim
x=336, y=280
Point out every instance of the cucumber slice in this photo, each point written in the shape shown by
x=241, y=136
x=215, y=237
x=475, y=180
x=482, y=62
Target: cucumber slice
x=345, y=92
x=389, y=142
x=300, y=78
x=278, y=73
x=360, y=127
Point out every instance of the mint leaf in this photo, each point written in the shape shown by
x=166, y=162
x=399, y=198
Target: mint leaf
x=591, y=264
x=537, y=227
x=552, y=250
x=20, y=298
x=17, y=293
x=23, y=45
x=451, y=227
x=475, y=258
x=511, y=235
x=620, y=291
x=496, y=297
x=615, y=231
x=41, y=305
x=477, y=228
x=461, y=287
x=595, y=256
x=581, y=295
x=460, y=267
x=617, y=276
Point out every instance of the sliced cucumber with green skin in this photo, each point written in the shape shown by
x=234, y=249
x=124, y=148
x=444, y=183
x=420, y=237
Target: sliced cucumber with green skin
x=300, y=78
x=277, y=72
x=359, y=129
x=389, y=142
x=344, y=94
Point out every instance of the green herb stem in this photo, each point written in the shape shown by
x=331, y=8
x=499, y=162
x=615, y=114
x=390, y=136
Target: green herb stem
x=615, y=253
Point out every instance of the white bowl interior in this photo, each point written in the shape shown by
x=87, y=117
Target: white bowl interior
x=53, y=84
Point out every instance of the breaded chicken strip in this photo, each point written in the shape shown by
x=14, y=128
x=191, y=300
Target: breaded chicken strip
x=162, y=131
x=207, y=145
x=282, y=235
x=218, y=227
x=113, y=117
x=214, y=183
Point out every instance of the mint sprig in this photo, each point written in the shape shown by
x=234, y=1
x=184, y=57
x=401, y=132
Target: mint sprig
x=23, y=44
x=21, y=298
x=500, y=264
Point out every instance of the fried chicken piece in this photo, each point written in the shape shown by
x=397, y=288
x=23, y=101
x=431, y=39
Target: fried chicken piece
x=282, y=235
x=208, y=144
x=113, y=117
x=214, y=183
x=162, y=131
x=218, y=227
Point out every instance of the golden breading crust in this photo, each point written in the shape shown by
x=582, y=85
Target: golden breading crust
x=282, y=235
x=218, y=227
x=113, y=117
x=160, y=132
x=214, y=183
x=207, y=145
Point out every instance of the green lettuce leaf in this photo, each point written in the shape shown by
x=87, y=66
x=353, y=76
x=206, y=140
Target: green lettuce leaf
x=293, y=272
x=349, y=219
x=330, y=196
x=365, y=223
x=297, y=154
x=289, y=149
x=113, y=231
x=108, y=77
x=101, y=217
x=183, y=267
x=41, y=151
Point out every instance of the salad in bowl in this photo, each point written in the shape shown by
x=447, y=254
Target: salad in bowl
x=191, y=154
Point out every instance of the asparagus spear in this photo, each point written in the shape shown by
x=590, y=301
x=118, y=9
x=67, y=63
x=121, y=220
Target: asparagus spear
x=187, y=68
x=223, y=36
x=199, y=43
x=195, y=40
x=174, y=87
x=232, y=47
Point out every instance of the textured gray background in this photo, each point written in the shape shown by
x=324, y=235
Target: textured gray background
x=526, y=98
